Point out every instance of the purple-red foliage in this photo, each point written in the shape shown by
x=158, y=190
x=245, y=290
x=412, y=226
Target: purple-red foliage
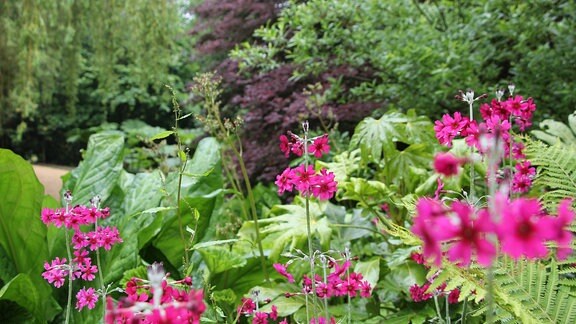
x=275, y=104
x=224, y=23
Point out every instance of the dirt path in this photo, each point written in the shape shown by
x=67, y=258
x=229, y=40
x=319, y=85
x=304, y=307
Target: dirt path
x=50, y=177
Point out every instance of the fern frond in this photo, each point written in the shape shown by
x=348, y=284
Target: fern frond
x=556, y=170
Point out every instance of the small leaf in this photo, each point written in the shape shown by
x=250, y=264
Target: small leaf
x=162, y=135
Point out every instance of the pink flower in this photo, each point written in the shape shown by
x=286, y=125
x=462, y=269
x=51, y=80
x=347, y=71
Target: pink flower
x=559, y=231
x=469, y=236
x=260, y=318
x=449, y=128
x=274, y=312
x=323, y=185
x=453, y=296
x=285, y=181
x=86, y=297
x=88, y=271
x=282, y=269
x=284, y=145
x=247, y=306
x=418, y=293
x=447, y=164
x=320, y=146
x=303, y=178
x=523, y=230
x=429, y=225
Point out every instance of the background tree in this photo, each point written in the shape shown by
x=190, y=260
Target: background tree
x=67, y=66
x=404, y=54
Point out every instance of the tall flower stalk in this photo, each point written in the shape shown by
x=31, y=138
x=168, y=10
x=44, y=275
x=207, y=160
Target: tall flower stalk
x=207, y=86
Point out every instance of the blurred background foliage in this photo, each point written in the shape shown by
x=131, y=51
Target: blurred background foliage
x=69, y=67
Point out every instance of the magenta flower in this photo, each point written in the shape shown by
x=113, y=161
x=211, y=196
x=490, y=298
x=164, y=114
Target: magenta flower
x=523, y=229
x=430, y=224
x=559, y=231
x=320, y=146
x=303, y=178
x=86, y=297
x=260, y=318
x=449, y=128
x=282, y=269
x=323, y=185
x=285, y=180
x=447, y=164
x=469, y=236
x=284, y=145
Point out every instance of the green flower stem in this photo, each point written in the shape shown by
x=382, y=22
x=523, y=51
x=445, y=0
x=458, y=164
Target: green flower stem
x=447, y=310
x=70, y=273
x=308, y=227
x=326, y=314
x=463, y=317
x=438, y=312
x=100, y=275
x=472, y=171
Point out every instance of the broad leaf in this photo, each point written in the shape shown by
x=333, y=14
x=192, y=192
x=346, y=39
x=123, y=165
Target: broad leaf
x=22, y=233
x=220, y=259
x=376, y=137
x=98, y=173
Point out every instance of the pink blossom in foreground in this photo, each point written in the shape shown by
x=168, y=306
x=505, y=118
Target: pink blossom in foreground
x=523, y=229
x=559, y=231
x=447, y=164
x=468, y=236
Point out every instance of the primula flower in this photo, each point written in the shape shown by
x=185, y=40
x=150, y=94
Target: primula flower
x=86, y=297
x=285, y=180
x=303, y=176
x=281, y=269
x=523, y=229
x=323, y=185
x=418, y=293
x=469, y=235
x=558, y=227
x=284, y=145
x=260, y=318
x=449, y=128
x=428, y=225
x=453, y=296
x=320, y=146
x=447, y=164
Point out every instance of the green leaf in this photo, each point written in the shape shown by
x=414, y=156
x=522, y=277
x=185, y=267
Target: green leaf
x=23, y=291
x=100, y=170
x=220, y=259
x=161, y=135
x=376, y=137
x=289, y=228
x=22, y=233
x=370, y=270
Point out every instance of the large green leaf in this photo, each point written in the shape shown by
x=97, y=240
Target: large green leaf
x=141, y=192
x=376, y=137
x=288, y=228
x=219, y=259
x=22, y=233
x=98, y=173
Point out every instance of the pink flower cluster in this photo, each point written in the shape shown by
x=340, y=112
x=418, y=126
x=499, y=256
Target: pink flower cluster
x=522, y=227
x=295, y=145
x=496, y=125
x=157, y=301
x=420, y=293
x=496, y=117
x=339, y=282
x=304, y=178
x=81, y=265
x=249, y=307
